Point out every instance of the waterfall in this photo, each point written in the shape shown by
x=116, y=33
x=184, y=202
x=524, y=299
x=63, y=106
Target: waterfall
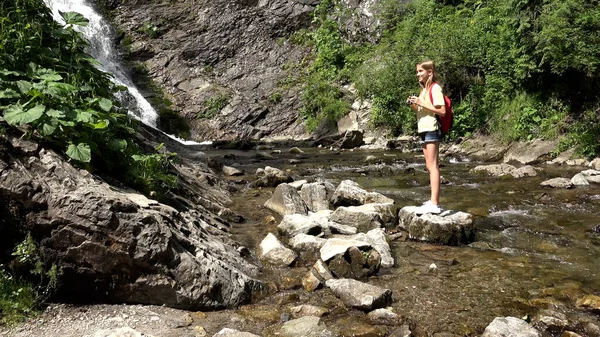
x=100, y=38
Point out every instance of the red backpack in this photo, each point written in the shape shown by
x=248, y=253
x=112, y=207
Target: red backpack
x=447, y=120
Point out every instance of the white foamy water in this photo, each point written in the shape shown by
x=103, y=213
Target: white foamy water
x=99, y=35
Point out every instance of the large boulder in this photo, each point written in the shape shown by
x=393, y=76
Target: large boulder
x=286, y=200
x=447, y=228
x=116, y=245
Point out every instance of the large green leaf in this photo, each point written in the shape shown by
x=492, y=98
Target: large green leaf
x=24, y=86
x=9, y=93
x=48, y=129
x=55, y=113
x=80, y=152
x=106, y=104
x=59, y=89
x=85, y=116
x=101, y=124
x=16, y=115
x=51, y=77
x=74, y=18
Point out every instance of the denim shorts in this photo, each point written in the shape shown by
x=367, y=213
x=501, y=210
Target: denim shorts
x=430, y=136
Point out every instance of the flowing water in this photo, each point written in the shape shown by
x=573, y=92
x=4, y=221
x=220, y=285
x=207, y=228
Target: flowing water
x=101, y=46
x=536, y=248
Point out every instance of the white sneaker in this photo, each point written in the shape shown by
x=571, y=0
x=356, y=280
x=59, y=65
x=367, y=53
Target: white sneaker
x=428, y=207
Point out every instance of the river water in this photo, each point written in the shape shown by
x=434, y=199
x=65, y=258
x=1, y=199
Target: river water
x=535, y=249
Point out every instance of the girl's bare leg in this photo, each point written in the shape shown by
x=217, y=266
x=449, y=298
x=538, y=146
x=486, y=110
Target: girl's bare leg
x=431, y=152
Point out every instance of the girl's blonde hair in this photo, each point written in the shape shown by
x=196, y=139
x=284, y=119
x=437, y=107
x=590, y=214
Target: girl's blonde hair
x=429, y=65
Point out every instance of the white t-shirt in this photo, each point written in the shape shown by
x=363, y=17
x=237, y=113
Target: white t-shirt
x=427, y=120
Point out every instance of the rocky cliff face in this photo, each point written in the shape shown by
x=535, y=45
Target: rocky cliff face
x=115, y=245
x=221, y=57
x=228, y=60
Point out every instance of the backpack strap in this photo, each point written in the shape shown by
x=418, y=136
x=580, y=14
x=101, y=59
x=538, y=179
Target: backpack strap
x=431, y=100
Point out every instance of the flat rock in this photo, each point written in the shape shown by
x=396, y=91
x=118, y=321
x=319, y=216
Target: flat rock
x=447, y=228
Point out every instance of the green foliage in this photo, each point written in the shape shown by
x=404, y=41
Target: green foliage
x=149, y=29
x=27, y=284
x=214, y=105
x=322, y=100
x=52, y=90
x=522, y=68
x=151, y=173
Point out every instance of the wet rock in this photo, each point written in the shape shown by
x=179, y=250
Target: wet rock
x=232, y=171
x=377, y=239
x=298, y=184
x=592, y=176
x=321, y=271
x=403, y=331
x=360, y=295
x=308, y=310
x=304, y=242
x=496, y=170
x=227, y=332
x=310, y=282
x=550, y=321
x=339, y=246
x=316, y=195
x=537, y=151
x=384, y=317
x=591, y=302
x=579, y=180
x=296, y=150
x=485, y=149
x=349, y=193
x=286, y=200
x=352, y=215
x=352, y=139
x=307, y=326
x=557, y=183
x=271, y=177
x=510, y=326
x=294, y=224
x=525, y=171
x=499, y=170
x=274, y=252
x=370, y=159
x=448, y=228
x=355, y=263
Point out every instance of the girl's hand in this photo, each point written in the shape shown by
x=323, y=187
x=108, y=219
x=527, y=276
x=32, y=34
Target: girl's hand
x=415, y=100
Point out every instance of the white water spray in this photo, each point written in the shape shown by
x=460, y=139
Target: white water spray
x=98, y=33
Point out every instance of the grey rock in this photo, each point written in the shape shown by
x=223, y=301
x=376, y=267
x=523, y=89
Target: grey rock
x=384, y=316
x=448, y=228
x=316, y=196
x=232, y=171
x=360, y=295
x=294, y=224
x=308, y=310
x=181, y=258
x=510, y=327
x=286, y=200
x=307, y=326
x=227, y=332
x=274, y=252
x=271, y=177
x=558, y=183
x=537, y=151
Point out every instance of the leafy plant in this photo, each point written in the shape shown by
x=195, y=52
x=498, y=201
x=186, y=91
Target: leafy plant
x=214, y=105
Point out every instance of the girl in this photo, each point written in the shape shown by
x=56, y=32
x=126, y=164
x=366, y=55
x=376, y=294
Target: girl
x=429, y=128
